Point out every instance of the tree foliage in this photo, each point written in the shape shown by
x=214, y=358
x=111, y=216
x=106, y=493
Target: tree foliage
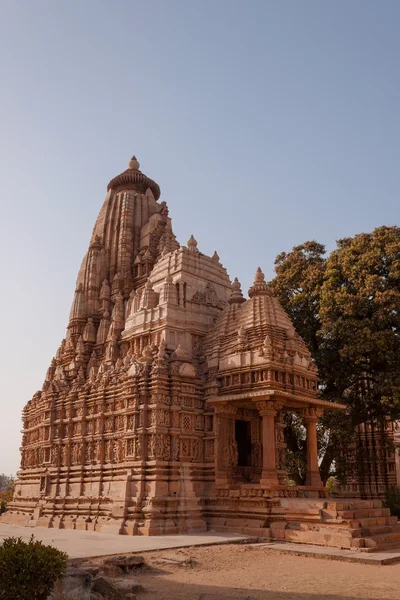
x=7, y=486
x=5, y=481
x=29, y=570
x=346, y=306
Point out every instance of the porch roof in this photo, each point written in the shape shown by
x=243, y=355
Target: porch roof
x=289, y=400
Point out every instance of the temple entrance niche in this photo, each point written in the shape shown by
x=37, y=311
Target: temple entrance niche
x=243, y=441
x=248, y=443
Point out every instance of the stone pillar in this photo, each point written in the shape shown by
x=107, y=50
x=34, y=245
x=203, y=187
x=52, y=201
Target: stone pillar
x=226, y=454
x=310, y=418
x=268, y=410
x=280, y=447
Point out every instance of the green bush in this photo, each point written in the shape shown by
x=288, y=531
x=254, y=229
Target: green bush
x=331, y=484
x=5, y=498
x=392, y=501
x=29, y=570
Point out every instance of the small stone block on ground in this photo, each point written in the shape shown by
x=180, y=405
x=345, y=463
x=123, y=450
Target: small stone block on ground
x=105, y=587
x=76, y=583
x=93, y=570
x=174, y=558
x=125, y=562
x=126, y=586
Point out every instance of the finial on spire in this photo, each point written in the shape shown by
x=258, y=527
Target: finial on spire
x=192, y=244
x=134, y=164
x=259, y=276
x=236, y=295
x=260, y=286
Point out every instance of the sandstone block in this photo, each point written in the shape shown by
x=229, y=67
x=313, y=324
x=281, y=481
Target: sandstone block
x=106, y=588
x=346, y=514
x=76, y=583
x=126, y=586
x=93, y=570
x=127, y=563
x=375, y=512
x=370, y=543
x=111, y=571
x=357, y=543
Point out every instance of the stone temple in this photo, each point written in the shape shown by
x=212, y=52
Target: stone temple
x=163, y=408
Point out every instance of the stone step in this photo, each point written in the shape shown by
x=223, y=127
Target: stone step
x=374, y=522
x=375, y=530
x=311, y=514
x=376, y=541
x=383, y=547
x=364, y=513
x=355, y=504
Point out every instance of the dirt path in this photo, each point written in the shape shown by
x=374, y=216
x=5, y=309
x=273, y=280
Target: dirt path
x=239, y=572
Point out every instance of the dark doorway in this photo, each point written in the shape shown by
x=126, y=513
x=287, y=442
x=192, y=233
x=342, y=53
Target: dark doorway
x=243, y=440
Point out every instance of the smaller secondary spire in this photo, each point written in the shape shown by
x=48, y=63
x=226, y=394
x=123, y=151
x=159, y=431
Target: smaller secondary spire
x=236, y=294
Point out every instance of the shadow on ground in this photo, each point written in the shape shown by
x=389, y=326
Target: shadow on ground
x=161, y=589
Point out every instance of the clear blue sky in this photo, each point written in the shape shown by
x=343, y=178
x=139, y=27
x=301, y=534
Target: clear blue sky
x=266, y=123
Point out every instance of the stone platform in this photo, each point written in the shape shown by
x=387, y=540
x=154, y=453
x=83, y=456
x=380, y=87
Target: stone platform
x=85, y=544
x=359, y=525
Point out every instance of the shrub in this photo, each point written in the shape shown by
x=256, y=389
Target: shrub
x=331, y=484
x=29, y=570
x=392, y=501
x=5, y=498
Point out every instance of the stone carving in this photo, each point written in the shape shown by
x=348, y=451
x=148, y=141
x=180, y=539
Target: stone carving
x=130, y=447
x=64, y=455
x=157, y=337
x=256, y=457
x=197, y=450
x=139, y=448
x=159, y=446
x=108, y=451
x=208, y=297
x=187, y=370
x=230, y=454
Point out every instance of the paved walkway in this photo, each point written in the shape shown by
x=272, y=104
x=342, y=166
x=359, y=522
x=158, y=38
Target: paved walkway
x=82, y=544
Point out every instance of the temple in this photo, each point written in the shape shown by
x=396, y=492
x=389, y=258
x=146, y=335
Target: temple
x=163, y=410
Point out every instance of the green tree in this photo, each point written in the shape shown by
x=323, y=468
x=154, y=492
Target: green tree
x=5, y=481
x=298, y=282
x=299, y=278
x=7, y=486
x=360, y=323
x=347, y=309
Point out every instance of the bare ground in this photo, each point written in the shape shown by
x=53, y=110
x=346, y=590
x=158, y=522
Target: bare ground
x=243, y=571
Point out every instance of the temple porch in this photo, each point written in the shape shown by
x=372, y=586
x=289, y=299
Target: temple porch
x=250, y=447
